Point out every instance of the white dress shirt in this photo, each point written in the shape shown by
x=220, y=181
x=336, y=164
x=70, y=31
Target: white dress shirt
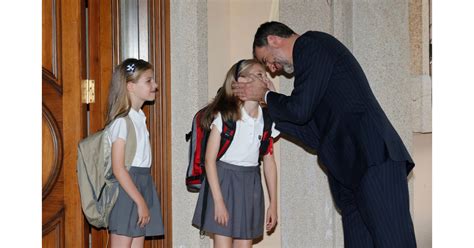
x=265, y=97
x=244, y=149
x=118, y=130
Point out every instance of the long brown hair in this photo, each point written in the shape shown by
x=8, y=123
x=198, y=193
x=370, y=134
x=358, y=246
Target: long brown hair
x=225, y=102
x=119, y=103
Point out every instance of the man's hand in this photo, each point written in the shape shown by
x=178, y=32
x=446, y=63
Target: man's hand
x=250, y=88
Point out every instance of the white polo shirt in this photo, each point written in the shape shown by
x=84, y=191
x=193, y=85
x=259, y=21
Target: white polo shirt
x=244, y=149
x=118, y=130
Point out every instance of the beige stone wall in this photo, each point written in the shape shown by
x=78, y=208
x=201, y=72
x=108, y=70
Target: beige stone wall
x=188, y=92
x=419, y=65
x=416, y=36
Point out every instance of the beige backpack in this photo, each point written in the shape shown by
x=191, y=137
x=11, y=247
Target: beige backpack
x=97, y=184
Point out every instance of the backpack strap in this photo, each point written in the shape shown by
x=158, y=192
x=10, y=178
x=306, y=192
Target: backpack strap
x=228, y=132
x=227, y=135
x=131, y=143
x=266, y=143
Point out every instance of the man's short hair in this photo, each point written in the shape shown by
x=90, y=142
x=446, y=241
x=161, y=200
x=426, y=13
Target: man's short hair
x=270, y=28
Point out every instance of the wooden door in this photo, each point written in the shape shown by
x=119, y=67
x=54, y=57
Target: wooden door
x=159, y=114
x=100, y=67
x=63, y=122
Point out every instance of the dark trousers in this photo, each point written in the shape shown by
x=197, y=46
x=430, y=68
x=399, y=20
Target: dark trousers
x=377, y=213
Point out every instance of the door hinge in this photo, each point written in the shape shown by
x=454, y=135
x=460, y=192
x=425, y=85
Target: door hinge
x=88, y=91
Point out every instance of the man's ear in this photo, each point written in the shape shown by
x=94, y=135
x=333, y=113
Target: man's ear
x=274, y=41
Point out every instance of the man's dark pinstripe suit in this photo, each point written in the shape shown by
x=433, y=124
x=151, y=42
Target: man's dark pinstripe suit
x=333, y=110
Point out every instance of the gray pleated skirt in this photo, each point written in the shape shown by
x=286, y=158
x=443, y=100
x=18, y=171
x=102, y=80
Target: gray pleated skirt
x=124, y=215
x=243, y=197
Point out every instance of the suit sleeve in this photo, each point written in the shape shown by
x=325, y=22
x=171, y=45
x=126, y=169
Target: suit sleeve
x=313, y=63
x=308, y=133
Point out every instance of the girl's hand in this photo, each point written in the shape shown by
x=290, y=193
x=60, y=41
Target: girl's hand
x=143, y=214
x=272, y=217
x=221, y=216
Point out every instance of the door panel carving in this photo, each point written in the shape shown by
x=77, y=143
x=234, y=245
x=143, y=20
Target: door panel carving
x=52, y=151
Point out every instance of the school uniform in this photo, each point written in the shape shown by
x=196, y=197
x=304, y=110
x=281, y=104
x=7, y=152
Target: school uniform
x=124, y=215
x=239, y=177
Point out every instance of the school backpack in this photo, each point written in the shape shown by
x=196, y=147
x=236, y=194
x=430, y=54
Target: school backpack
x=97, y=184
x=198, y=136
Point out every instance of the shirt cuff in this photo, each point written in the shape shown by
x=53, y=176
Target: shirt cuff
x=266, y=93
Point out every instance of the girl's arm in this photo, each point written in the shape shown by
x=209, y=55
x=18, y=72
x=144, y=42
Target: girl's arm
x=221, y=216
x=121, y=173
x=270, y=171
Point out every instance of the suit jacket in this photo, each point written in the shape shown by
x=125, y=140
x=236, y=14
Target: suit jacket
x=333, y=110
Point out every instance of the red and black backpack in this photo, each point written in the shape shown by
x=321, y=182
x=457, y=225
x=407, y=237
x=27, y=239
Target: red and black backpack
x=198, y=136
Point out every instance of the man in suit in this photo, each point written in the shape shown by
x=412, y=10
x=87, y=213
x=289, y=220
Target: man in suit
x=333, y=110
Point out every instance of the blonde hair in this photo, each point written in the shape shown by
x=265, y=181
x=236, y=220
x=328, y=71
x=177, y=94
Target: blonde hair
x=119, y=103
x=225, y=102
